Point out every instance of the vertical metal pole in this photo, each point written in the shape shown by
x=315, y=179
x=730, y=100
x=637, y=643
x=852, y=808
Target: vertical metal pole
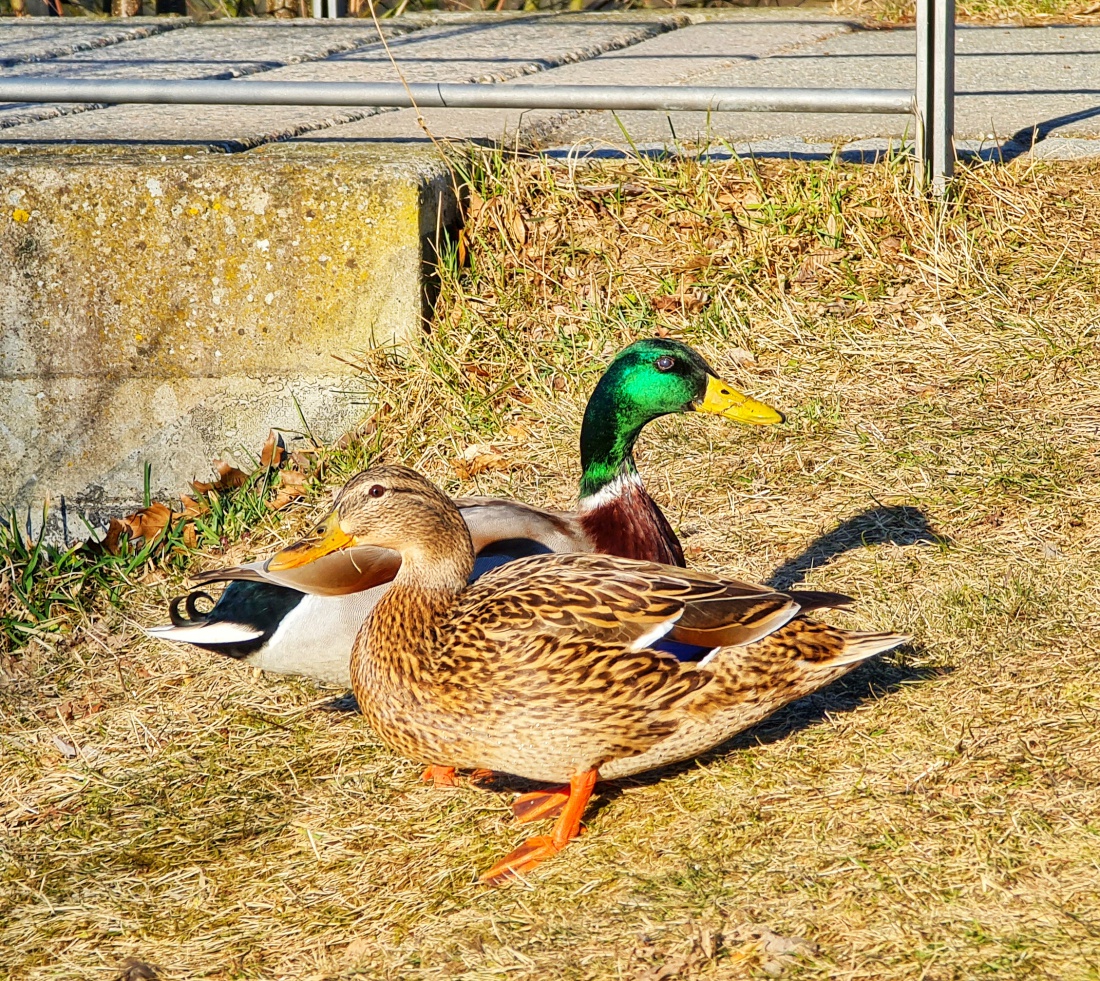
x=943, y=97
x=935, y=94
x=923, y=92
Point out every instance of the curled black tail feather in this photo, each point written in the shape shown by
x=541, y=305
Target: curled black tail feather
x=194, y=614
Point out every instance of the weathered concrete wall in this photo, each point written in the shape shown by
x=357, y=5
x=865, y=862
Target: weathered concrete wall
x=168, y=306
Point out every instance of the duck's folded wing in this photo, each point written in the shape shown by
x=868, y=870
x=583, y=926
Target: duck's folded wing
x=635, y=603
x=337, y=574
x=494, y=523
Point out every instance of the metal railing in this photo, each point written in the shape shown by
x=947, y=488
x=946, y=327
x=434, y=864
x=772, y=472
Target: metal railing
x=931, y=101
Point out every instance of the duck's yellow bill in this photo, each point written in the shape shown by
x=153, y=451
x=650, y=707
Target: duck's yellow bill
x=725, y=400
x=327, y=537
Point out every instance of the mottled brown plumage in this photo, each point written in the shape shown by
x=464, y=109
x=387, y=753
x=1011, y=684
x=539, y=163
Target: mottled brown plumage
x=545, y=668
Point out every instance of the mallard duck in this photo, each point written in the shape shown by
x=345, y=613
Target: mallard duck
x=545, y=667
x=303, y=620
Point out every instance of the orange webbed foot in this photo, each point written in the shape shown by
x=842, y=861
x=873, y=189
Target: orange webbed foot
x=440, y=776
x=532, y=852
x=538, y=849
x=539, y=804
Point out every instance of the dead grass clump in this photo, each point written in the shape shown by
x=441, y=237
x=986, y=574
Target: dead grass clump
x=931, y=816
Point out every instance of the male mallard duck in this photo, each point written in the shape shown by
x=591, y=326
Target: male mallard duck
x=303, y=621
x=545, y=666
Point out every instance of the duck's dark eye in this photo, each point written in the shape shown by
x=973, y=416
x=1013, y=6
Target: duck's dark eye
x=665, y=363
x=377, y=490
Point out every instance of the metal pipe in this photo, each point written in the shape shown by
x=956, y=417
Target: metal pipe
x=453, y=95
x=935, y=94
x=943, y=101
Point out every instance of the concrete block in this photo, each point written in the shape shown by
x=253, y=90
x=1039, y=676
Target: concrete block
x=166, y=307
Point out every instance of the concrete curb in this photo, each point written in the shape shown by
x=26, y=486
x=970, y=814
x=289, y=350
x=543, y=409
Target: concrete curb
x=166, y=306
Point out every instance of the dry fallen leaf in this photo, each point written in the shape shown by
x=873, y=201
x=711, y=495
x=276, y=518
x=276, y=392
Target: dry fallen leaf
x=291, y=488
x=816, y=262
x=229, y=477
x=131, y=969
x=190, y=536
x=114, y=532
x=148, y=522
x=192, y=508
x=517, y=228
x=690, y=301
x=474, y=203
x=463, y=249
x=73, y=708
x=902, y=298
x=890, y=245
x=66, y=749
x=274, y=450
x=479, y=458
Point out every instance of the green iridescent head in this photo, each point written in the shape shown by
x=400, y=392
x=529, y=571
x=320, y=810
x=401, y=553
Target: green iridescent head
x=649, y=379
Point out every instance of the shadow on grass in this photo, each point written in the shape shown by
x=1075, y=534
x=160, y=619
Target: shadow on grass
x=899, y=524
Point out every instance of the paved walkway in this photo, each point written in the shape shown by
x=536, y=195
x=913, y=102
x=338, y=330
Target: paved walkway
x=1014, y=84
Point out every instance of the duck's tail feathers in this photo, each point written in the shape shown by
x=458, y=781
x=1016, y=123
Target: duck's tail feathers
x=819, y=599
x=196, y=627
x=253, y=572
x=207, y=634
x=861, y=646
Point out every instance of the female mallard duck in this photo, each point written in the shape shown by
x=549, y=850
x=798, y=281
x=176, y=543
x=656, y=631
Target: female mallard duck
x=303, y=621
x=545, y=666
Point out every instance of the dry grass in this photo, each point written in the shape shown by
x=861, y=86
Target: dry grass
x=1032, y=13
x=931, y=817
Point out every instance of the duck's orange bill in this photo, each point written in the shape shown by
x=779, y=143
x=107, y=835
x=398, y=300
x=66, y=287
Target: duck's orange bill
x=327, y=537
x=725, y=400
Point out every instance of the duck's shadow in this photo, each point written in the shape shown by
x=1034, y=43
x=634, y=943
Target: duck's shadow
x=900, y=525
x=897, y=524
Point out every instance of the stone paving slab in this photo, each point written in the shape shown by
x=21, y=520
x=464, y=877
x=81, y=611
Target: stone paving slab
x=1011, y=81
x=195, y=52
x=41, y=38
x=1008, y=80
x=671, y=58
x=467, y=51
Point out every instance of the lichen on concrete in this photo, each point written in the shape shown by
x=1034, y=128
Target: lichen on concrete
x=167, y=306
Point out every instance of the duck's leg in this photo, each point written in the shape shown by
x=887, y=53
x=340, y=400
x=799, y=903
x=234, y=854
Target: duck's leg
x=539, y=804
x=483, y=778
x=538, y=849
x=440, y=776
